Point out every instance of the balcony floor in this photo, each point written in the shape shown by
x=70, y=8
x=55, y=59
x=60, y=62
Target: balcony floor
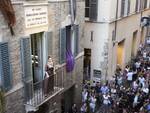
x=39, y=98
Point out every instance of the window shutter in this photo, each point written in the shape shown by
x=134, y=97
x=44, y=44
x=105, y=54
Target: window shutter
x=128, y=11
x=74, y=8
x=122, y=8
x=141, y=4
x=76, y=40
x=26, y=58
x=93, y=10
x=137, y=6
x=62, y=46
x=27, y=66
x=49, y=42
x=5, y=67
x=145, y=4
x=47, y=48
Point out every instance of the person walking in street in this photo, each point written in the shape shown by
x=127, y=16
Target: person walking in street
x=92, y=103
x=84, y=108
x=106, y=102
x=74, y=108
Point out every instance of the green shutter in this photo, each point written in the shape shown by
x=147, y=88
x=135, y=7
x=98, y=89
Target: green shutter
x=27, y=67
x=47, y=48
x=5, y=67
x=26, y=58
x=76, y=40
x=93, y=10
x=62, y=46
x=49, y=42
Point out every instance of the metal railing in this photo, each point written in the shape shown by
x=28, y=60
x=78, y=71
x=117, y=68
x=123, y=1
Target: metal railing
x=39, y=92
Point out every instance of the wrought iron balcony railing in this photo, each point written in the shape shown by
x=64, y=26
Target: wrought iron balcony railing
x=40, y=92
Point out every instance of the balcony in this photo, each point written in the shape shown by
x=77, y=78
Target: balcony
x=40, y=92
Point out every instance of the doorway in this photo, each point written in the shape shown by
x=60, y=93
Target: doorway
x=134, y=40
x=36, y=51
x=87, y=64
x=120, y=53
x=142, y=39
x=67, y=100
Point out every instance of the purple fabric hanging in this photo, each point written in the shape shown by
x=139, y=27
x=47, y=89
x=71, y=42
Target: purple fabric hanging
x=70, y=61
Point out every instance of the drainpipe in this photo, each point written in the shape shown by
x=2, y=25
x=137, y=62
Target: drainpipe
x=115, y=34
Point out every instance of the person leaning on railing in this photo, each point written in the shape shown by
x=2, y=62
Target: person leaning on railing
x=49, y=77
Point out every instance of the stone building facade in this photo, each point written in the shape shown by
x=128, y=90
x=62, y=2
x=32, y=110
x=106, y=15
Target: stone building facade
x=23, y=82
x=113, y=34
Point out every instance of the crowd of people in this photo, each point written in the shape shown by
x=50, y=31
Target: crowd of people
x=128, y=92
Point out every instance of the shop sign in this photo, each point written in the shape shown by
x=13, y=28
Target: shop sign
x=36, y=16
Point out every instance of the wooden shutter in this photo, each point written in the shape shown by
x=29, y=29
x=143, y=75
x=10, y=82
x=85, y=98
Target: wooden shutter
x=62, y=46
x=93, y=10
x=27, y=67
x=76, y=51
x=5, y=67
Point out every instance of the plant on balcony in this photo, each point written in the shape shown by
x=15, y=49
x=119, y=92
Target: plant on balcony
x=2, y=102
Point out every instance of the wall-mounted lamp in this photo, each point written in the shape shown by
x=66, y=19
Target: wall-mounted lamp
x=145, y=21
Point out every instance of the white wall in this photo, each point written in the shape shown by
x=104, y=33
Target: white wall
x=100, y=37
x=125, y=29
x=103, y=10
x=103, y=34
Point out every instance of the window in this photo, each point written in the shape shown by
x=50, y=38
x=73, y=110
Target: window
x=87, y=8
x=125, y=8
x=5, y=67
x=137, y=6
x=122, y=8
x=91, y=9
x=34, y=54
x=73, y=8
x=145, y=4
x=141, y=4
x=67, y=43
x=34, y=51
x=128, y=9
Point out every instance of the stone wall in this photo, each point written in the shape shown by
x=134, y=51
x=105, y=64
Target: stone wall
x=14, y=97
x=58, y=11
x=14, y=102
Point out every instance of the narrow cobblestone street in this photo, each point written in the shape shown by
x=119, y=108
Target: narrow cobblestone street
x=129, y=92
